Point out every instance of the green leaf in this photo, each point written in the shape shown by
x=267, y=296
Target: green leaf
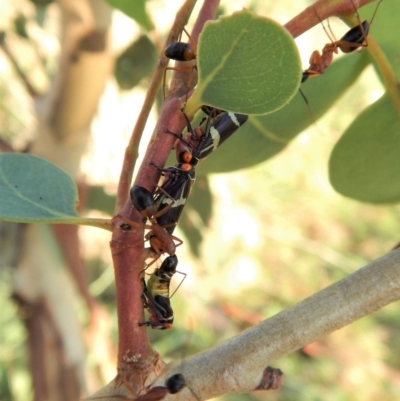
x=99, y=199
x=136, y=9
x=192, y=233
x=262, y=137
x=196, y=214
x=135, y=63
x=201, y=200
x=382, y=29
x=34, y=190
x=365, y=163
x=247, y=64
x=20, y=26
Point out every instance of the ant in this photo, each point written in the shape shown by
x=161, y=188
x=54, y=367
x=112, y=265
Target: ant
x=181, y=51
x=160, y=240
x=352, y=40
x=156, y=297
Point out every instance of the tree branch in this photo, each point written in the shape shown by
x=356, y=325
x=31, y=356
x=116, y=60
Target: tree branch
x=322, y=9
x=239, y=363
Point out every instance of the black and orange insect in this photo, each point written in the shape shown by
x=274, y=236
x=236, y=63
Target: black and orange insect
x=156, y=294
x=184, y=52
x=160, y=240
x=352, y=40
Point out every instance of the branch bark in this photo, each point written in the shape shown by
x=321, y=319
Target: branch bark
x=135, y=353
x=238, y=364
x=321, y=10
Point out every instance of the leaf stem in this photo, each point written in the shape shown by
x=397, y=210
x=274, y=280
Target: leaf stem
x=389, y=77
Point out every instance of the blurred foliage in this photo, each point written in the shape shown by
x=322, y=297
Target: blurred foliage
x=98, y=199
x=20, y=26
x=14, y=376
x=367, y=154
x=136, y=10
x=41, y=2
x=197, y=214
x=382, y=30
x=135, y=63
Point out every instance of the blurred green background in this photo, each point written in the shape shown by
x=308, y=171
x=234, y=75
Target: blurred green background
x=278, y=234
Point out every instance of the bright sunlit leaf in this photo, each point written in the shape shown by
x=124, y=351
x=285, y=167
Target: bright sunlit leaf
x=247, y=64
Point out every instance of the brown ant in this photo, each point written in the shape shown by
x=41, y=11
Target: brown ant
x=352, y=40
x=160, y=240
x=181, y=51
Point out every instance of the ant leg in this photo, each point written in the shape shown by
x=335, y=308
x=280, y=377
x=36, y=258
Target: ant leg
x=323, y=26
x=178, y=240
x=152, y=262
x=183, y=279
x=330, y=30
x=192, y=42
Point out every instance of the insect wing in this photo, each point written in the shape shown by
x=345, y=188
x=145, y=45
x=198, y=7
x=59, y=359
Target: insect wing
x=142, y=199
x=177, y=187
x=226, y=125
x=161, y=313
x=166, y=306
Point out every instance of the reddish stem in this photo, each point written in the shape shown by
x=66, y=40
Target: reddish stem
x=127, y=247
x=131, y=151
x=206, y=13
x=322, y=9
x=171, y=117
x=128, y=258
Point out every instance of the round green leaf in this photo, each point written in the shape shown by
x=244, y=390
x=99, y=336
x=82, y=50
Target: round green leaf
x=365, y=163
x=262, y=137
x=247, y=64
x=34, y=190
